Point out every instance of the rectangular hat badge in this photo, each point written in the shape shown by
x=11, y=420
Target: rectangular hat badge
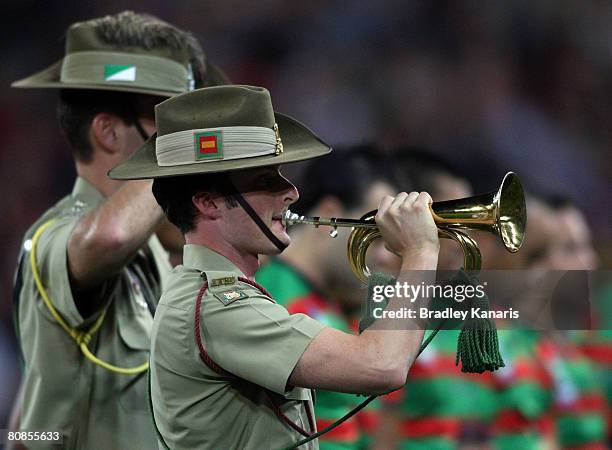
x=209, y=145
x=115, y=72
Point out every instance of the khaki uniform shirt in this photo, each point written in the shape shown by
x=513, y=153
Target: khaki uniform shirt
x=92, y=407
x=245, y=333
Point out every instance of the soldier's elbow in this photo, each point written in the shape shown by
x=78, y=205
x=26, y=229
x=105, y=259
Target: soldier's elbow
x=388, y=377
x=94, y=239
x=395, y=379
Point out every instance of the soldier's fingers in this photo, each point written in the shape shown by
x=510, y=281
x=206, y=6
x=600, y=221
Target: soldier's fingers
x=409, y=200
x=399, y=200
x=423, y=200
x=385, y=202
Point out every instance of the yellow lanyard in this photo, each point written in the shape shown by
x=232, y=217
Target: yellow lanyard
x=82, y=338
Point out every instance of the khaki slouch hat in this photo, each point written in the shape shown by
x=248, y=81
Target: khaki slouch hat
x=219, y=129
x=91, y=63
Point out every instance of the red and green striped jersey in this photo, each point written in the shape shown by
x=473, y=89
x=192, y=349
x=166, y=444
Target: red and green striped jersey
x=292, y=290
x=596, y=345
x=438, y=398
x=524, y=412
x=580, y=403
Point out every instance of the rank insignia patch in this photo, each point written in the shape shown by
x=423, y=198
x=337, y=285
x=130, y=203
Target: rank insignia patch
x=228, y=297
x=209, y=145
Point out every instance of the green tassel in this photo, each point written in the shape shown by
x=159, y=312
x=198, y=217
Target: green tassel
x=478, y=344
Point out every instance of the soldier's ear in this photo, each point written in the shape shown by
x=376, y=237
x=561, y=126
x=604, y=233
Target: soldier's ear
x=207, y=204
x=104, y=132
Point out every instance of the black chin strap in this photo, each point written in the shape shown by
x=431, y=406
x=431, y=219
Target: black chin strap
x=143, y=134
x=253, y=215
x=136, y=119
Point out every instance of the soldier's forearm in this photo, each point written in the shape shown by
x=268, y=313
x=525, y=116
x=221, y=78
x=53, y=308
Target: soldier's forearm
x=398, y=339
x=377, y=361
x=105, y=239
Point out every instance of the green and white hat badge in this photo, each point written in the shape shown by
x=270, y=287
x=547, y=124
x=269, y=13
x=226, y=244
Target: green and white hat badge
x=90, y=63
x=219, y=129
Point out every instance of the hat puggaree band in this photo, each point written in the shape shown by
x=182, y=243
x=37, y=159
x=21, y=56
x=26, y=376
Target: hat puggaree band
x=90, y=62
x=219, y=129
x=115, y=68
x=209, y=144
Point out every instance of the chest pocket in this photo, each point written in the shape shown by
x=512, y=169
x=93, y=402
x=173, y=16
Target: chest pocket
x=135, y=332
x=134, y=323
x=134, y=319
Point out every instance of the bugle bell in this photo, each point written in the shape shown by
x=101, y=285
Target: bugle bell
x=501, y=212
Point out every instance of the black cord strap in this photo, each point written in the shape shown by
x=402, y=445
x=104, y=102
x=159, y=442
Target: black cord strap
x=255, y=217
x=141, y=131
x=359, y=407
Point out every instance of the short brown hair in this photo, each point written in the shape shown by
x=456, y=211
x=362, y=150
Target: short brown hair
x=128, y=29
x=174, y=195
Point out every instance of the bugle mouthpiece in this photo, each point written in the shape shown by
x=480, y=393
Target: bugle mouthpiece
x=290, y=218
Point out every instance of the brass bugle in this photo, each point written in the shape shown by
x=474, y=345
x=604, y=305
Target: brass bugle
x=501, y=212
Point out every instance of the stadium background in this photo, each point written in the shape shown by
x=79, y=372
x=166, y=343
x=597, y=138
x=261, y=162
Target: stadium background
x=494, y=86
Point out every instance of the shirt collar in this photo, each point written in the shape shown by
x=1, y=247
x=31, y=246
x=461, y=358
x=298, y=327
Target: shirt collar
x=86, y=192
x=204, y=259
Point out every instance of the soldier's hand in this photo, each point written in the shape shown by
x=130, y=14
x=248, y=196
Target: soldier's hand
x=406, y=224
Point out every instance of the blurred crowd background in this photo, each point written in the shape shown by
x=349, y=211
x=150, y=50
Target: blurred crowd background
x=489, y=86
